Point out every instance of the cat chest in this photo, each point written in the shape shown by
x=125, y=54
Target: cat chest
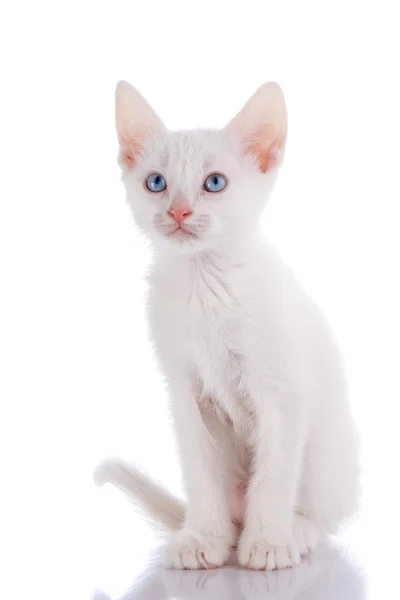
x=213, y=353
x=214, y=358
x=209, y=338
x=202, y=327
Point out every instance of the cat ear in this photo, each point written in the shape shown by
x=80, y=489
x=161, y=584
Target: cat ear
x=136, y=121
x=261, y=126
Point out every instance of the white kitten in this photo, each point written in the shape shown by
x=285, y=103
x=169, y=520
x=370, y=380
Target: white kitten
x=268, y=446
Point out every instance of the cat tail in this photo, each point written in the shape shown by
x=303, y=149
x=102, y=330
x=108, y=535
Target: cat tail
x=161, y=509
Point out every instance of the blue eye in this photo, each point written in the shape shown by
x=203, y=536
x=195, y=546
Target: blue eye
x=156, y=183
x=215, y=183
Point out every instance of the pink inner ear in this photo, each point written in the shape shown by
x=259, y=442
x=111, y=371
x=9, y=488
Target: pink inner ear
x=129, y=150
x=266, y=157
x=264, y=144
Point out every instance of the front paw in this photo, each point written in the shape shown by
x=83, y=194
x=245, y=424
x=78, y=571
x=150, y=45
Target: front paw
x=259, y=550
x=190, y=549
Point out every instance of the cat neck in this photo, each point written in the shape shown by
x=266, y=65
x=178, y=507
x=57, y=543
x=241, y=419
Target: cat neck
x=224, y=256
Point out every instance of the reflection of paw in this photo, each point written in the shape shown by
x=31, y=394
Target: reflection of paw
x=277, y=585
x=258, y=584
x=192, y=550
x=258, y=551
x=217, y=584
x=306, y=534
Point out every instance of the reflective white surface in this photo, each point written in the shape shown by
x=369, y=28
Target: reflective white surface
x=326, y=575
x=330, y=573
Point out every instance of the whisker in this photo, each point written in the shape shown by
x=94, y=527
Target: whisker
x=144, y=232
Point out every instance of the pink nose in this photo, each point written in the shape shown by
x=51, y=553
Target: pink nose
x=179, y=214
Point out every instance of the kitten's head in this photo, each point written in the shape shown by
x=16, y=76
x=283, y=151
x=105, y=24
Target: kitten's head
x=193, y=190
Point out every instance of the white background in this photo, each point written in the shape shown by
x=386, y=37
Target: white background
x=78, y=379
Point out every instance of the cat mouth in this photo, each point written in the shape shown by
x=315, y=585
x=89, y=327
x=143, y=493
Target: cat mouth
x=181, y=233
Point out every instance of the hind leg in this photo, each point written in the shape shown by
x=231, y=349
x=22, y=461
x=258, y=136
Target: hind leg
x=329, y=487
x=306, y=533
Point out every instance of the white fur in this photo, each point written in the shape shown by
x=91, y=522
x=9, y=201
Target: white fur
x=257, y=389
